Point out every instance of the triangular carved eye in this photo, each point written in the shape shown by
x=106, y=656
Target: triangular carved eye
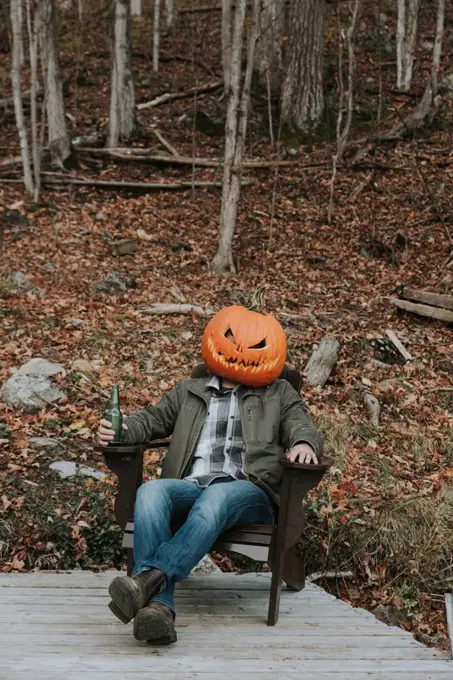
x=229, y=335
x=260, y=345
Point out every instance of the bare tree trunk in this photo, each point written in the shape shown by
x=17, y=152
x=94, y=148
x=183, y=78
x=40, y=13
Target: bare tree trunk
x=406, y=38
x=343, y=131
x=400, y=49
x=59, y=143
x=33, y=32
x=226, y=43
x=122, y=96
x=170, y=14
x=136, y=8
x=437, y=49
x=17, y=94
x=268, y=53
x=302, y=99
x=235, y=131
x=20, y=5
x=156, y=35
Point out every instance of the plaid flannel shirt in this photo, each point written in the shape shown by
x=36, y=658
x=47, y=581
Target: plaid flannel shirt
x=220, y=449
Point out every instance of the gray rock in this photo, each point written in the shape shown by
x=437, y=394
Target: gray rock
x=206, y=566
x=40, y=366
x=23, y=285
x=43, y=442
x=427, y=46
x=446, y=492
x=67, y=468
x=30, y=392
x=115, y=282
x=75, y=321
x=382, y=18
x=14, y=218
x=390, y=615
x=101, y=216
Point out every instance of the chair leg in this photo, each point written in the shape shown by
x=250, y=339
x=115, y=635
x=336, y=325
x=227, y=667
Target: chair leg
x=294, y=570
x=276, y=587
x=130, y=561
x=278, y=553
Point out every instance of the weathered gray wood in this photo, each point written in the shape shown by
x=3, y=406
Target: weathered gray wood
x=57, y=627
x=424, y=310
x=434, y=299
x=163, y=661
x=321, y=362
x=208, y=675
x=449, y=610
x=237, y=651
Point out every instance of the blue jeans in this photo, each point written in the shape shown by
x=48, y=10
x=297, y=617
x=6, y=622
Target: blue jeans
x=208, y=512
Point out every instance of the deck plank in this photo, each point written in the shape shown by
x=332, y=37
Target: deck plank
x=57, y=625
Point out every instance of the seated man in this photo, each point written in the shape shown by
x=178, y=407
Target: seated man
x=230, y=431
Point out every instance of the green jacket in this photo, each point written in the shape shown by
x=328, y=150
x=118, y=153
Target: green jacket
x=273, y=420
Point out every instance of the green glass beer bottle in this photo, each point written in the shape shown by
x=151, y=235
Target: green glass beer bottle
x=113, y=415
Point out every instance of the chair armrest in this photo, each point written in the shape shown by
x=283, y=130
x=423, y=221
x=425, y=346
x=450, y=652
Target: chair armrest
x=324, y=464
x=298, y=480
x=126, y=462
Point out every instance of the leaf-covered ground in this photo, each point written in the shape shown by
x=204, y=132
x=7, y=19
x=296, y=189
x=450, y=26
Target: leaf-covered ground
x=381, y=512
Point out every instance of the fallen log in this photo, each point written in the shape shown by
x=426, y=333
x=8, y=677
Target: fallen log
x=146, y=156
x=128, y=186
x=434, y=299
x=175, y=308
x=399, y=345
x=321, y=363
x=174, y=96
x=424, y=310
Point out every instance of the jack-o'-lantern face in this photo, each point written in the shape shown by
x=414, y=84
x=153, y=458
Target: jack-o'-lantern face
x=244, y=346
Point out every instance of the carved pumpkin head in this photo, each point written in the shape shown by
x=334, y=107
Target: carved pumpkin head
x=244, y=346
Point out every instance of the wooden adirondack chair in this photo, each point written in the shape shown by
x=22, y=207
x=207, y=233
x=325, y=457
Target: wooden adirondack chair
x=275, y=545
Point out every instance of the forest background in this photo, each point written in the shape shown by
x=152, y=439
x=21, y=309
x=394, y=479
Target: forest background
x=336, y=118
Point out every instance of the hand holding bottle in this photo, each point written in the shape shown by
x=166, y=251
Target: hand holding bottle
x=111, y=425
x=106, y=435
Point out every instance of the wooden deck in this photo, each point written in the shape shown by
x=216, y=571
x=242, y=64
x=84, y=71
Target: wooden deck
x=57, y=626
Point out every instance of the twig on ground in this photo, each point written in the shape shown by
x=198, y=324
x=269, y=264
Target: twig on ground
x=174, y=308
x=174, y=96
x=317, y=575
x=164, y=142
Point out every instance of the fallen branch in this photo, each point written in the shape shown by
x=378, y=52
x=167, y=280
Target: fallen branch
x=146, y=156
x=434, y=299
x=128, y=186
x=424, y=310
x=399, y=345
x=321, y=363
x=174, y=96
x=317, y=575
x=164, y=142
x=173, y=308
x=373, y=407
x=440, y=389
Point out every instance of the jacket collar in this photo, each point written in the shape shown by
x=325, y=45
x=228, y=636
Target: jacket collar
x=202, y=387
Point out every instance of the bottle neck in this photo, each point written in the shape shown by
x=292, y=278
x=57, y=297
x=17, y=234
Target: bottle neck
x=115, y=400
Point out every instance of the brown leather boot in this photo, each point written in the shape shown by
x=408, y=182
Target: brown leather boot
x=156, y=624
x=129, y=594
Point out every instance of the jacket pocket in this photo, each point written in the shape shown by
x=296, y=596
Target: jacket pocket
x=263, y=422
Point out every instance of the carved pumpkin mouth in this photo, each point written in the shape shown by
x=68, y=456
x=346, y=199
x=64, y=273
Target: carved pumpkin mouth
x=241, y=362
